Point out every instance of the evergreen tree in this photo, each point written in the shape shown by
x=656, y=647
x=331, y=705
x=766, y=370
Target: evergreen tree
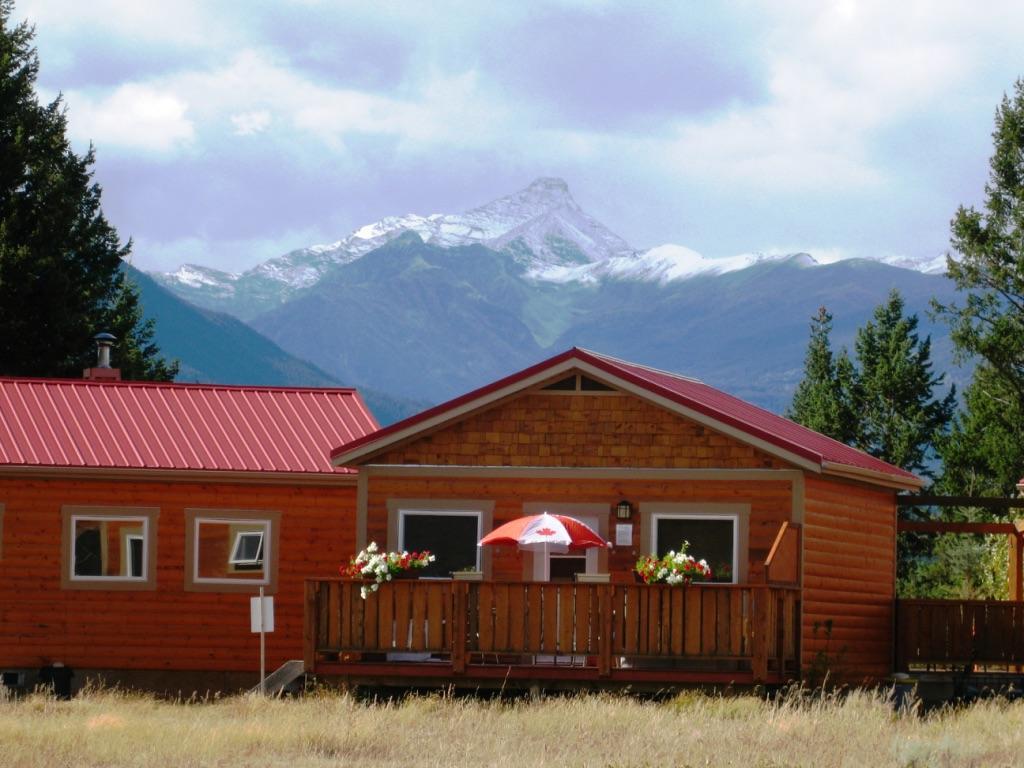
x=60, y=260
x=884, y=402
x=900, y=419
x=822, y=399
x=984, y=453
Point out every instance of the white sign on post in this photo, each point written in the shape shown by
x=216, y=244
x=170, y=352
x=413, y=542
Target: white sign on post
x=261, y=621
x=261, y=614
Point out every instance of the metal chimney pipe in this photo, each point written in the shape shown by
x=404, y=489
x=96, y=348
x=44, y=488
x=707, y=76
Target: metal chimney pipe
x=104, y=341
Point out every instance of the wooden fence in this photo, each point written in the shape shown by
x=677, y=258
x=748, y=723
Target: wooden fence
x=598, y=626
x=959, y=633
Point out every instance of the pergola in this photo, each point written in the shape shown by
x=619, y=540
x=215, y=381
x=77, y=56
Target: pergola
x=1012, y=528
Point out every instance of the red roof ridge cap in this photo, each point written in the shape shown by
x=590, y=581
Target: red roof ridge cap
x=176, y=385
x=651, y=368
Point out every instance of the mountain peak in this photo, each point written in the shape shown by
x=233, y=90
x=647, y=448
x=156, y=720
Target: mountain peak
x=551, y=184
x=542, y=195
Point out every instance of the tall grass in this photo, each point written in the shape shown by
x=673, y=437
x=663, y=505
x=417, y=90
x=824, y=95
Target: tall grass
x=105, y=728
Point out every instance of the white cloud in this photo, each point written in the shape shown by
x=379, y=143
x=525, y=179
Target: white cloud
x=132, y=116
x=245, y=92
x=129, y=22
x=838, y=76
x=249, y=123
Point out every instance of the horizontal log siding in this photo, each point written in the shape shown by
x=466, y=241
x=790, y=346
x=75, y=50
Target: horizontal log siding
x=770, y=505
x=561, y=430
x=849, y=571
x=168, y=628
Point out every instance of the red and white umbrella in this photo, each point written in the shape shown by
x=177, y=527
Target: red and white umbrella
x=549, y=533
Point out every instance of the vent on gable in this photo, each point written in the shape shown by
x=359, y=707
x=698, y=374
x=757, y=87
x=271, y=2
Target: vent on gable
x=577, y=382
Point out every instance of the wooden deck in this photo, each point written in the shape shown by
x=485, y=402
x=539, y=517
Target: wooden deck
x=456, y=632
x=970, y=635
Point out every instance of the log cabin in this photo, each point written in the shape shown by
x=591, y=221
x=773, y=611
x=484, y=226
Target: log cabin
x=137, y=519
x=800, y=529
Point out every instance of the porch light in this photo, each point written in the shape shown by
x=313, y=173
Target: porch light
x=623, y=510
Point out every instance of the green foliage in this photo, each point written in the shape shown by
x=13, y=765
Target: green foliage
x=955, y=566
x=900, y=419
x=822, y=399
x=60, y=260
x=985, y=452
x=827, y=666
x=884, y=403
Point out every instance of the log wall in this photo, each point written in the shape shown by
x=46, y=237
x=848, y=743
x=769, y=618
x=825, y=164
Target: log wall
x=770, y=504
x=167, y=628
x=849, y=573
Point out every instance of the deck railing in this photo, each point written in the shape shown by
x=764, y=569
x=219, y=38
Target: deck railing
x=600, y=627
x=942, y=634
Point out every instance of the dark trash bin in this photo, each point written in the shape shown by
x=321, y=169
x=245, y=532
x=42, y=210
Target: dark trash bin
x=57, y=678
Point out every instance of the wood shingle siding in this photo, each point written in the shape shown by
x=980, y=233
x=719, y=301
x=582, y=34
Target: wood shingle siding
x=579, y=430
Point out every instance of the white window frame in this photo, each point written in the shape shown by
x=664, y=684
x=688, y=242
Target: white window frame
x=265, y=523
x=234, y=559
x=734, y=517
x=101, y=518
x=478, y=514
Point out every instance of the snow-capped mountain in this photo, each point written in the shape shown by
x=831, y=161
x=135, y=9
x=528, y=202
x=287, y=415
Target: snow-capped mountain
x=663, y=264
x=542, y=224
x=541, y=227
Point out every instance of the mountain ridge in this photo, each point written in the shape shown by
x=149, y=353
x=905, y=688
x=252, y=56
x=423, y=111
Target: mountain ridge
x=431, y=322
x=541, y=226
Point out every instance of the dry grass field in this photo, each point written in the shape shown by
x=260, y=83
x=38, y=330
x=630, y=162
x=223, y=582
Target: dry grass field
x=114, y=729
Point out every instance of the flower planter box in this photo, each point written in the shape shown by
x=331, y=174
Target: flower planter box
x=468, y=575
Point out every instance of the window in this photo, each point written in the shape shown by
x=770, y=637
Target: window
x=109, y=548
x=716, y=533
x=449, y=528
x=247, y=552
x=451, y=536
x=712, y=539
x=134, y=553
x=230, y=550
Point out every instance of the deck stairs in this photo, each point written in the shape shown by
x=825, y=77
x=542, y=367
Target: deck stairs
x=284, y=679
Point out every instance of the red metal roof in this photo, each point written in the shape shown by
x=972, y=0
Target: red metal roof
x=686, y=392
x=151, y=425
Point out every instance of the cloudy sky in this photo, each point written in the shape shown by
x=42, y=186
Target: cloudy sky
x=231, y=132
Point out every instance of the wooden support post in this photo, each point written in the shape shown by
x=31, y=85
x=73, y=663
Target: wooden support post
x=460, y=622
x=761, y=633
x=309, y=631
x=604, y=658
x=1017, y=562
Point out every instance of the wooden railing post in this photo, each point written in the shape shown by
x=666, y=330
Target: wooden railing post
x=460, y=640
x=605, y=602
x=309, y=628
x=761, y=633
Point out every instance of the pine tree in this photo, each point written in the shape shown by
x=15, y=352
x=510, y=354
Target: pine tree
x=985, y=454
x=900, y=419
x=822, y=399
x=60, y=260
